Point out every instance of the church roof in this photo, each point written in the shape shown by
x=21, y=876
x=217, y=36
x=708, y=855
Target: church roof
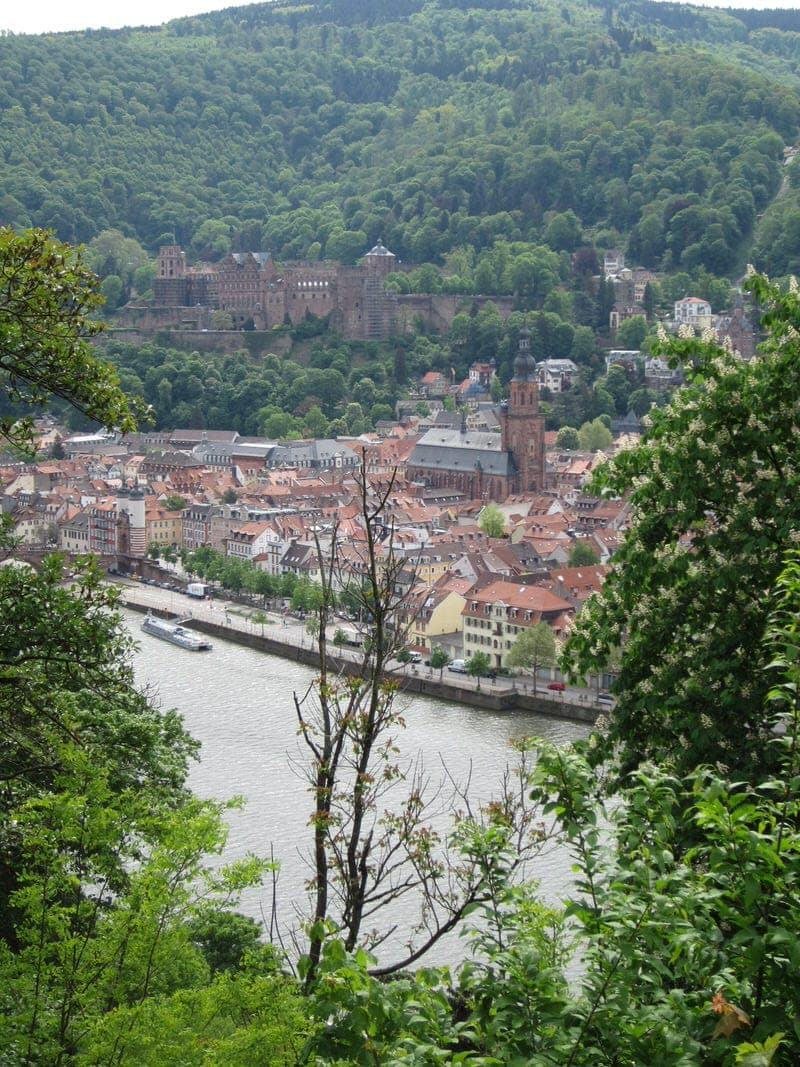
x=451, y=450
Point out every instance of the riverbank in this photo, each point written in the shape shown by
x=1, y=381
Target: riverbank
x=488, y=697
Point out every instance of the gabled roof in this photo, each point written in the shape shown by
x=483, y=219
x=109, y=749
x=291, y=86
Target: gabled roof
x=526, y=597
x=456, y=451
x=215, y=436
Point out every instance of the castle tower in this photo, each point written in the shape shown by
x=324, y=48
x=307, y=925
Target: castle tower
x=171, y=262
x=136, y=510
x=170, y=286
x=522, y=426
x=380, y=261
x=378, y=312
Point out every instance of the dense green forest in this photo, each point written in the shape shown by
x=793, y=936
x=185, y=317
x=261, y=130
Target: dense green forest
x=315, y=129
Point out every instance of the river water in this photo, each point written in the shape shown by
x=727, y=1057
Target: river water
x=238, y=703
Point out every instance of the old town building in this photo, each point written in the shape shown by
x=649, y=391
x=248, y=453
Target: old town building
x=497, y=614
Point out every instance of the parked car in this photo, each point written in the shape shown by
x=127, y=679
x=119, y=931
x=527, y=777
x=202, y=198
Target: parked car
x=415, y=657
x=458, y=666
x=559, y=687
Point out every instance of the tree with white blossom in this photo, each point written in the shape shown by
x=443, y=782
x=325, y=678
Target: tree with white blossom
x=713, y=491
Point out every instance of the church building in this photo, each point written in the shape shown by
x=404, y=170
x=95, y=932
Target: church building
x=490, y=466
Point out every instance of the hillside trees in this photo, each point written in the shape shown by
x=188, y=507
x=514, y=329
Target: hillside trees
x=432, y=148
x=713, y=493
x=259, y=394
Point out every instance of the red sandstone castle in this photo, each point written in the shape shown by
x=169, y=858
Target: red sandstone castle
x=488, y=466
x=250, y=286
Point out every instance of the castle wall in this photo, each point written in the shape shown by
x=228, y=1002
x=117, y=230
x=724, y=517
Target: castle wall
x=439, y=309
x=309, y=290
x=351, y=302
x=150, y=317
x=172, y=292
x=239, y=286
x=247, y=286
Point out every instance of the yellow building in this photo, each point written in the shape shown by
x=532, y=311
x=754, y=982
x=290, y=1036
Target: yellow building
x=430, y=565
x=435, y=611
x=163, y=527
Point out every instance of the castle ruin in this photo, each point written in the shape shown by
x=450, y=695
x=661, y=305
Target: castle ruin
x=254, y=290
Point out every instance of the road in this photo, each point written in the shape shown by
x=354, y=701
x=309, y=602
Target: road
x=292, y=631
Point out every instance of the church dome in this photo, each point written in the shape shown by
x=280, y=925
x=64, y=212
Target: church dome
x=524, y=364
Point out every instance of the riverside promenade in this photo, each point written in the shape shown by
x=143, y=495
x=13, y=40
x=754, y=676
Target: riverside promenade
x=278, y=636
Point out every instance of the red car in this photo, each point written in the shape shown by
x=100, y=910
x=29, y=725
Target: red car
x=559, y=687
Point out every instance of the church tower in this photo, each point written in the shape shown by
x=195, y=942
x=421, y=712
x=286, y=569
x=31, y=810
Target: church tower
x=521, y=424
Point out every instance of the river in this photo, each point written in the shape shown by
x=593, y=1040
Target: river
x=238, y=703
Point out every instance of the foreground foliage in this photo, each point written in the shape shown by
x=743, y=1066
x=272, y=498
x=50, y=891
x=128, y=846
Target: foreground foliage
x=690, y=955
x=714, y=502
x=685, y=914
x=46, y=296
x=103, y=848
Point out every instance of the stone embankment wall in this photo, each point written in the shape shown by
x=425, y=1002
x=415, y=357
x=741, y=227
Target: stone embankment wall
x=506, y=700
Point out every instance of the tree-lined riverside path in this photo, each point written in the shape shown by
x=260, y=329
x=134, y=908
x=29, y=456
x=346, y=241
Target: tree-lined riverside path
x=287, y=636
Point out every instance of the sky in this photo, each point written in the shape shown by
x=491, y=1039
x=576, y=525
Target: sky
x=42, y=16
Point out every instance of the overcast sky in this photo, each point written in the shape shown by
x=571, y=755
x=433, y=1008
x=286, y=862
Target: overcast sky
x=41, y=16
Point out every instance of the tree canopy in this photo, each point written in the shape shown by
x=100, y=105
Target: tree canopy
x=713, y=496
x=46, y=299
x=534, y=648
x=437, y=127
x=492, y=521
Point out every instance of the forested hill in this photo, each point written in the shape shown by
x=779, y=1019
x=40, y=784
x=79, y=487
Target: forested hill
x=316, y=129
